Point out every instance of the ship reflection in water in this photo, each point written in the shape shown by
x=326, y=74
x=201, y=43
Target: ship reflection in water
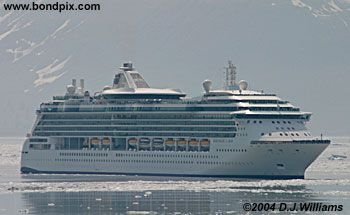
x=157, y=202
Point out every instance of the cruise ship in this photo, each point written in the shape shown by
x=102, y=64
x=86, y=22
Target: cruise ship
x=132, y=128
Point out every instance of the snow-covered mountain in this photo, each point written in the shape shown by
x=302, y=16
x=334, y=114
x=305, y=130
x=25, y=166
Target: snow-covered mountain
x=298, y=49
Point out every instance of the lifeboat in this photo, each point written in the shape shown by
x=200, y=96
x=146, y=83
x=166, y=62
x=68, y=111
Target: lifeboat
x=157, y=143
x=95, y=141
x=144, y=142
x=205, y=143
x=193, y=143
x=106, y=141
x=132, y=141
x=181, y=143
x=170, y=142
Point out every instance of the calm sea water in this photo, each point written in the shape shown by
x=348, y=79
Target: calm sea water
x=327, y=181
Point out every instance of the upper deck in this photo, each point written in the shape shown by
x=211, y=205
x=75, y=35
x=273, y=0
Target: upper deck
x=131, y=93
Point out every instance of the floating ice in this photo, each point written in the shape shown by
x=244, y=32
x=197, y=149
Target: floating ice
x=337, y=157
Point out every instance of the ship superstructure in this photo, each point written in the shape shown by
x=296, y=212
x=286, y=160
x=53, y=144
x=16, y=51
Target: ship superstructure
x=131, y=128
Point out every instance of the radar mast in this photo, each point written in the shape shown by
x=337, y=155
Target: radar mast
x=230, y=77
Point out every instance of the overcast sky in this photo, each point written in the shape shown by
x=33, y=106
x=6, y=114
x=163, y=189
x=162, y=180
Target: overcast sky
x=299, y=50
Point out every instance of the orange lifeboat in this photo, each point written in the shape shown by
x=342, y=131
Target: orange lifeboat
x=106, y=141
x=95, y=141
x=193, y=143
x=132, y=141
x=170, y=142
x=181, y=143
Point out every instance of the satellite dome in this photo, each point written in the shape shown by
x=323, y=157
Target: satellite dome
x=207, y=85
x=243, y=85
x=107, y=88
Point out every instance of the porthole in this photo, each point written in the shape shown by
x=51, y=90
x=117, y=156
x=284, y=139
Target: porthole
x=270, y=134
x=286, y=134
x=281, y=134
x=262, y=134
x=273, y=122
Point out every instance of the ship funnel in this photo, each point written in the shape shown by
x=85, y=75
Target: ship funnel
x=74, y=82
x=82, y=85
x=207, y=85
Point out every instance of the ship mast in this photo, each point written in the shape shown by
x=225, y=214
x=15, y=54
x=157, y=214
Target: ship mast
x=230, y=77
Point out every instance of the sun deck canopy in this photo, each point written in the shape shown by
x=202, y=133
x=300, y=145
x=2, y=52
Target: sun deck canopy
x=129, y=84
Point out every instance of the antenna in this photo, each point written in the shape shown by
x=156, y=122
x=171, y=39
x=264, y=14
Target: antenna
x=230, y=76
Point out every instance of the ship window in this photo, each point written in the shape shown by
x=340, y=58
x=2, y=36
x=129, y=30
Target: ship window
x=273, y=122
x=270, y=134
x=262, y=134
x=281, y=134
x=284, y=122
x=286, y=134
x=37, y=140
x=292, y=134
x=260, y=122
x=248, y=121
x=278, y=122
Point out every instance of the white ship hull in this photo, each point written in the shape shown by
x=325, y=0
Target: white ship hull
x=277, y=161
